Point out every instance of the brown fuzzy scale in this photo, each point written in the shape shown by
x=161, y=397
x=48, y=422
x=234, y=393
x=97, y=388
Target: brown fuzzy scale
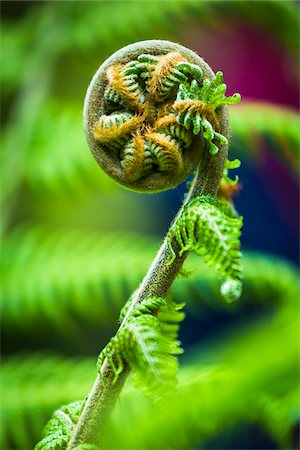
x=116, y=81
x=198, y=106
x=166, y=121
x=227, y=190
x=109, y=75
x=171, y=153
x=161, y=72
x=135, y=167
x=116, y=132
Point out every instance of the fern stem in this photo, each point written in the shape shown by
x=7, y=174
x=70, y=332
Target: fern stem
x=157, y=282
x=161, y=273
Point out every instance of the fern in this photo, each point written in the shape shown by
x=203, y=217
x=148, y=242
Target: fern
x=59, y=429
x=63, y=279
x=32, y=386
x=24, y=44
x=146, y=341
x=230, y=392
x=245, y=374
x=28, y=305
x=196, y=105
x=205, y=227
x=57, y=132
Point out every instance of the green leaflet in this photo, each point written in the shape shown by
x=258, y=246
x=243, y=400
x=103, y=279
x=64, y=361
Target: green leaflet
x=147, y=342
x=210, y=96
x=59, y=429
x=231, y=165
x=205, y=227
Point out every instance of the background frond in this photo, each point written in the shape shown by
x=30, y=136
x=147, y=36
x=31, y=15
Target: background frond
x=237, y=379
x=63, y=284
x=32, y=386
x=58, y=132
x=225, y=385
x=45, y=285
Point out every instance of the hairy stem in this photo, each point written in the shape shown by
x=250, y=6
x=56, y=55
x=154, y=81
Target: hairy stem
x=157, y=282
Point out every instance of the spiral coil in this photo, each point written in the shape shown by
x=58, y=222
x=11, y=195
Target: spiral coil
x=159, y=110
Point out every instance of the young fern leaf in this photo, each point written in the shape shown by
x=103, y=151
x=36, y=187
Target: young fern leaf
x=196, y=107
x=147, y=343
x=206, y=227
x=59, y=429
x=231, y=165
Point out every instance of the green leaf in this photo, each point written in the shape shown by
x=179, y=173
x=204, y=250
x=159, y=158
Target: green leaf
x=147, y=342
x=59, y=429
x=205, y=228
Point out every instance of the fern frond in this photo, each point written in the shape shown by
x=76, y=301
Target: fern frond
x=37, y=262
x=59, y=429
x=147, y=342
x=205, y=228
x=234, y=381
x=57, y=133
x=32, y=387
x=239, y=370
x=54, y=264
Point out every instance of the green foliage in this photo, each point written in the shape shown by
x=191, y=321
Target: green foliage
x=205, y=99
x=32, y=386
x=113, y=266
x=58, y=279
x=230, y=381
x=234, y=380
x=35, y=43
x=59, y=429
x=146, y=341
x=205, y=227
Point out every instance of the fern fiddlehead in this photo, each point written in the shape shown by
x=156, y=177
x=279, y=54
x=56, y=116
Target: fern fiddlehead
x=143, y=130
x=138, y=114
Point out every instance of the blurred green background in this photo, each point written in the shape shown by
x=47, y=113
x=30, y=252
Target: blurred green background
x=75, y=244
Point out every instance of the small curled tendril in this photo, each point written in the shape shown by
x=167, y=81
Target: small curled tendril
x=156, y=110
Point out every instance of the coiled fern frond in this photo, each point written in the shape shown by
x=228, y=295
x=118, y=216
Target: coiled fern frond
x=205, y=227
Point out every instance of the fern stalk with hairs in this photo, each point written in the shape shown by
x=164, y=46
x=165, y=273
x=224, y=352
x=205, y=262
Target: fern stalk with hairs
x=153, y=113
